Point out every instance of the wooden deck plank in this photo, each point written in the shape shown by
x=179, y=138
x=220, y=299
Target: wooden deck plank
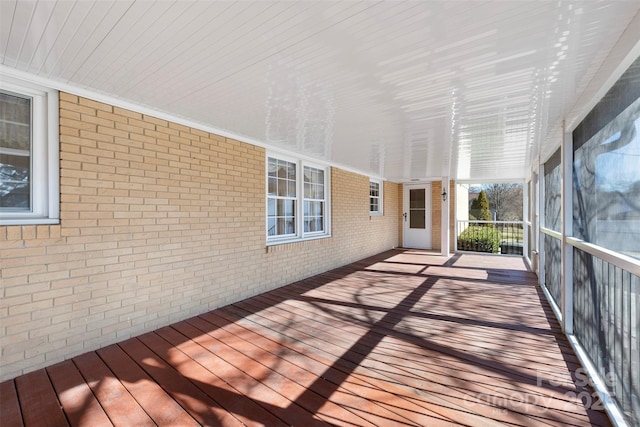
x=121, y=408
x=162, y=409
x=239, y=370
x=386, y=377
x=325, y=321
x=546, y=353
x=9, y=405
x=403, y=338
x=78, y=402
x=490, y=339
x=289, y=377
x=453, y=409
x=335, y=339
x=181, y=385
x=330, y=408
x=336, y=384
x=38, y=400
x=432, y=322
x=424, y=309
x=271, y=369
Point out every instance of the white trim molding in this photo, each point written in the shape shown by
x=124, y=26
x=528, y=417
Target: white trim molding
x=44, y=153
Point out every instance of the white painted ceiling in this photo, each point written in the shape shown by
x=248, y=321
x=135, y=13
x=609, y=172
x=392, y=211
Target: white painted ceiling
x=403, y=90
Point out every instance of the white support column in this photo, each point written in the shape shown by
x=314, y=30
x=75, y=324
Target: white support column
x=566, y=163
x=456, y=231
x=535, y=226
x=444, y=223
x=535, y=222
x=525, y=220
x=540, y=237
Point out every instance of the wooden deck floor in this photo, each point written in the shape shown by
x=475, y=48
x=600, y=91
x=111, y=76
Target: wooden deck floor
x=403, y=338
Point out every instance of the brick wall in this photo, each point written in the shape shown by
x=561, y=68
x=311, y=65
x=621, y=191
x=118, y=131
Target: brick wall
x=159, y=222
x=436, y=215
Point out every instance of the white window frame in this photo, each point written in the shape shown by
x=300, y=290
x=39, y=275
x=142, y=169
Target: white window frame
x=45, y=157
x=299, y=234
x=380, y=196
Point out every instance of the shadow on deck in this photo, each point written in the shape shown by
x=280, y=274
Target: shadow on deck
x=403, y=338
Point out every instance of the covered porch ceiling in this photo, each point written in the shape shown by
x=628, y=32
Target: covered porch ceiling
x=409, y=90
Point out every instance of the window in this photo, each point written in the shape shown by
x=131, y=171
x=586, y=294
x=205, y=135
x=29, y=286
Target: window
x=28, y=153
x=296, y=202
x=281, y=199
x=375, y=197
x=553, y=192
x=314, y=200
x=606, y=182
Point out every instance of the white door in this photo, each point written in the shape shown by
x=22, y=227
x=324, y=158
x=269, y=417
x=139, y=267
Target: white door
x=416, y=217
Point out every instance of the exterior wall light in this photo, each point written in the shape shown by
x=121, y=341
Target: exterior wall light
x=444, y=196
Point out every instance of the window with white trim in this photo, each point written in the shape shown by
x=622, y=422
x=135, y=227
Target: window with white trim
x=314, y=201
x=375, y=197
x=297, y=200
x=29, y=162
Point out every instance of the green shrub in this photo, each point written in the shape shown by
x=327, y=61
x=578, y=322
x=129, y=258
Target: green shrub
x=480, y=209
x=480, y=239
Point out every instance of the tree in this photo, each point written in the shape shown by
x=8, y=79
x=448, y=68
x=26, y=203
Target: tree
x=480, y=207
x=505, y=200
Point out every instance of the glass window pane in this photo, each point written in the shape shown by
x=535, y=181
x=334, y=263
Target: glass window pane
x=313, y=224
x=286, y=207
x=282, y=188
x=282, y=170
x=417, y=218
x=291, y=171
x=285, y=225
x=271, y=227
x=291, y=189
x=314, y=184
x=374, y=189
x=417, y=198
x=313, y=175
x=271, y=207
x=15, y=120
x=272, y=167
x=313, y=216
x=290, y=225
x=15, y=153
x=273, y=186
x=311, y=208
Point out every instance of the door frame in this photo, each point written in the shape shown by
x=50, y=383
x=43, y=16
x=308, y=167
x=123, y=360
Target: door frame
x=428, y=244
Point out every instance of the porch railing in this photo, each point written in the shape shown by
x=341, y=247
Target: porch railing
x=606, y=322
x=498, y=237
